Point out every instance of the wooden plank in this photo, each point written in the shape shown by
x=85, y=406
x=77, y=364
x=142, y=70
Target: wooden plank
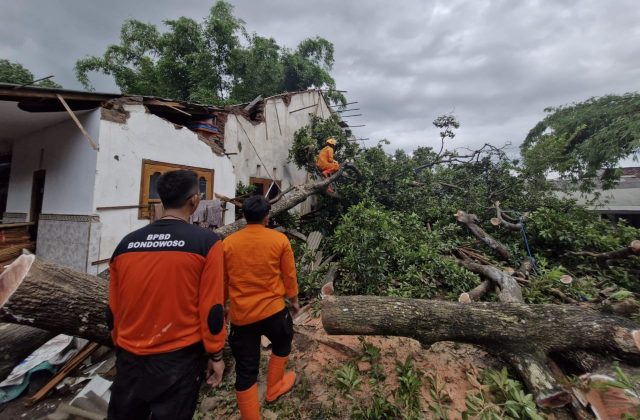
x=15, y=225
x=102, y=261
x=275, y=104
x=77, y=121
x=12, y=94
x=253, y=103
x=300, y=109
x=173, y=107
x=313, y=240
x=134, y=206
x=69, y=367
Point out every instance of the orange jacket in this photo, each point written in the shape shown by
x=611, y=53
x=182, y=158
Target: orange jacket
x=325, y=159
x=260, y=271
x=166, y=289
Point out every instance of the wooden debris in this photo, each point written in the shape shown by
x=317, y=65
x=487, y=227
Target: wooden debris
x=69, y=367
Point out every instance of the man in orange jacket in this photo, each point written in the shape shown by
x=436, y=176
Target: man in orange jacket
x=166, y=297
x=260, y=273
x=325, y=161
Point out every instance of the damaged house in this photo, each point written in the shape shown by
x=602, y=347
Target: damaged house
x=78, y=170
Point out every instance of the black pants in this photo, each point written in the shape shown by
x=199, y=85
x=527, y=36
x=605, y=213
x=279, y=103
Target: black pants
x=245, y=345
x=159, y=386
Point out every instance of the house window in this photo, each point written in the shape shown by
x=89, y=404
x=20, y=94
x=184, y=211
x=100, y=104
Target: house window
x=263, y=185
x=151, y=172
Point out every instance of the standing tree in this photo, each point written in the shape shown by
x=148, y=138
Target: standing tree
x=18, y=74
x=208, y=62
x=584, y=141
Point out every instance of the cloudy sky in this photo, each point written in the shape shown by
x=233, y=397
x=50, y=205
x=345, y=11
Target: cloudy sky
x=496, y=64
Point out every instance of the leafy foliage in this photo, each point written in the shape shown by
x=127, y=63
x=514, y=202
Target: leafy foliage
x=385, y=252
x=208, y=62
x=505, y=399
x=18, y=74
x=440, y=398
x=585, y=141
x=348, y=379
x=409, y=384
x=309, y=140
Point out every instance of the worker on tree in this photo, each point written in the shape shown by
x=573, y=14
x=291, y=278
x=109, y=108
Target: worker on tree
x=325, y=161
x=166, y=297
x=260, y=273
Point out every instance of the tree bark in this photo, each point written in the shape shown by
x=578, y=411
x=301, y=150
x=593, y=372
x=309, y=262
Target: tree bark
x=16, y=343
x=511, y=327
x=471, y=222
x=45, y=295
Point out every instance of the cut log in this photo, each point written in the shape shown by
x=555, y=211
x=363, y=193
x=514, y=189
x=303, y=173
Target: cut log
x=476, y=293
x=500, y=220
x=510, y=290
x=45, y=295
x=471, y=222
x=16, y=343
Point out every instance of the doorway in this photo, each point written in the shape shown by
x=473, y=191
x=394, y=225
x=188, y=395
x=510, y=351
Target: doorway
x=37, y=195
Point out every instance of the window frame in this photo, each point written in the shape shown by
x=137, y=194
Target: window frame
x=266, y=182
x=150, y=166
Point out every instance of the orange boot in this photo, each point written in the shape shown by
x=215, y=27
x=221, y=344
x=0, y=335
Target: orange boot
x=248, y=403
x=278, y=381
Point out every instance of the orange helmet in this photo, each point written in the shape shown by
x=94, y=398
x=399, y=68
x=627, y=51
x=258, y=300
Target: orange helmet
x=331, y=141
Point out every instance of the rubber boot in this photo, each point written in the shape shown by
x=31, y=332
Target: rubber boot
x=279, y=382
x=248, y=403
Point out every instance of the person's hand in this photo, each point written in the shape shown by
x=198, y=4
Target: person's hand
x=295, y=307
x=214, y=372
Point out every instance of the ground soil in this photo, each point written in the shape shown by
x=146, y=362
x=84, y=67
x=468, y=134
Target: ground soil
x=316, y=357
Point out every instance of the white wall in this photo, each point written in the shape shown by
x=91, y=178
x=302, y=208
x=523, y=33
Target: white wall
x=119, y=168
x=69, y=162
x=272, y=141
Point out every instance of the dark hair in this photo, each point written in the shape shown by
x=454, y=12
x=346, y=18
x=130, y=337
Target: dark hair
x=176, y=187
x=255, y=209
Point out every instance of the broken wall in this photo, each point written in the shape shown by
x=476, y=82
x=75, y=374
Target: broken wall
x=119, y=170
x=272, y=137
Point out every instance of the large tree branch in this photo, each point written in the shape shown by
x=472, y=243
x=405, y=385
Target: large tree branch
x=471, y=222
x=630, y=251
x=295, y=196
x=501, y=219
x=509, y=288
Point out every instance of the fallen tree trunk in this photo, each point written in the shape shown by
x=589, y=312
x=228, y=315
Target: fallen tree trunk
x=512, y=327
x=16, y=343
x=523, y=334
x=45, y=295
x=295, y=196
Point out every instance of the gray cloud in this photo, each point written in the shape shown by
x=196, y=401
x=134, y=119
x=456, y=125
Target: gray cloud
x=495, y=63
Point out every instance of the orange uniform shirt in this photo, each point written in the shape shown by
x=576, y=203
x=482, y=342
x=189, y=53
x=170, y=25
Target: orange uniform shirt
x=260, y=271
x=325, y=159
x=166, y=289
